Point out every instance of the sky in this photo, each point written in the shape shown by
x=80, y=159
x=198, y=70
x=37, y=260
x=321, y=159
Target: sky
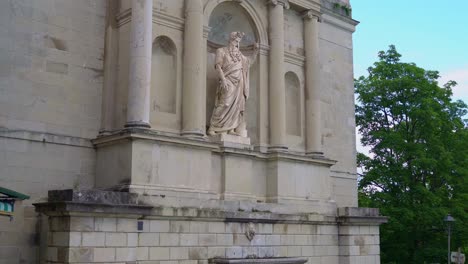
x=433, y=34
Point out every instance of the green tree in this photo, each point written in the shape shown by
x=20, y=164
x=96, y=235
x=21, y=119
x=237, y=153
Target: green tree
x=416, y=172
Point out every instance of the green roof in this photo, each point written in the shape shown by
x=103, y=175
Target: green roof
x=13, y=194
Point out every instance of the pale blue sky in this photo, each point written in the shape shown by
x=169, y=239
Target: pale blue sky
x=433, y=34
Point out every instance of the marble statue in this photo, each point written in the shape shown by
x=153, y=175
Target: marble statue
x=232, y=68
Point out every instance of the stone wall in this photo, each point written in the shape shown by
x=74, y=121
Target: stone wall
x=51, y=75
x=104, y=227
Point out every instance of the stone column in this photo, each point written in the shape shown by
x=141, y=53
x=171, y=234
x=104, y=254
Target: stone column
x=110, y=69
x=139, y=83
x=312, y=92
x=193, y=93
x=277, y=91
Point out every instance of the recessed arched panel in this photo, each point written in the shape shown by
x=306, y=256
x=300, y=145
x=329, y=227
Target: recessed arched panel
x=228, y=17
x=293, y=103
x=164, y=76
x=225, y=18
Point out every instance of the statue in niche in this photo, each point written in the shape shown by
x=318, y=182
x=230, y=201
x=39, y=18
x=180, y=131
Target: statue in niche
x=232, y=92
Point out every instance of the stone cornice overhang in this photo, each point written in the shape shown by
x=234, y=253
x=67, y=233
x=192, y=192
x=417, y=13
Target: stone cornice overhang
x=104, y=203
x=130, y=134
x=360, y=216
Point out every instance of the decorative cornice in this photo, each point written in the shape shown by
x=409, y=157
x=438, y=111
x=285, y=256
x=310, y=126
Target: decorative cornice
x=294, y=58
x=203, y=143
x=284, y=3
x=123, y=17
x=164, y=19
x=159, y=18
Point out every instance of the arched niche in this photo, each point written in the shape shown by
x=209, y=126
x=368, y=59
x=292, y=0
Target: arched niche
x=293, y=103
x=225, y=18
x=164, y=76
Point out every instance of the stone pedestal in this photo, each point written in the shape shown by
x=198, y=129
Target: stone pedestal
x=224, y=167
x=114, y=227
x=227, y=140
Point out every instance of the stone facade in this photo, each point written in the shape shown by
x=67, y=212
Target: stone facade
x=96, y=226
x=117, y=95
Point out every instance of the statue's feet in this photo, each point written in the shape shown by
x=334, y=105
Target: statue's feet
x=233, y=132
x=211, y=132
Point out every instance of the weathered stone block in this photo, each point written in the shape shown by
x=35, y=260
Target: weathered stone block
x=179, y=227
x=75, y=239
x=234, y=252
x=60, y=239
x=126, y=225
x=188, y=239
x=104, y=254
x=159, y=226
x=241, y=240
x=105, y=224
x=179, y=253
x=216, y=227
x=116, y=239
x=81, y=254
x=199, y=227
x=126, y=254
x=132, y=239
x=294, y=251
x=52, y=254
x=273, y=240
x=142, y=253
x=148, y=239
x=307, y=251
x=168, y=239
x=159, y=253
x=224, y=239
x=93, y=239
x=216, y=252
x=198, y=253
x=81, y=223
x=207, y=239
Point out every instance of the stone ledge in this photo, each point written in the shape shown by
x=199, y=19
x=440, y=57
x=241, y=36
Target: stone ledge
x=97, y=202
x=358, y=216
x=44, y=137
x=206, y=144
x=280, y=260
x=93, y=196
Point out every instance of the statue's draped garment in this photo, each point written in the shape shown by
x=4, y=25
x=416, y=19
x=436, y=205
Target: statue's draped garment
x=230, y=100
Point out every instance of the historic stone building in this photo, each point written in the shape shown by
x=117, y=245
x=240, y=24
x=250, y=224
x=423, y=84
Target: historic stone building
x=116, y=100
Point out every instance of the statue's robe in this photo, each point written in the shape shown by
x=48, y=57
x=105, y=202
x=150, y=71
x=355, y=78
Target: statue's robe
x=230, y=100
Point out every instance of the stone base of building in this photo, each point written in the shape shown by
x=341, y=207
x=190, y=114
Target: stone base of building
x=119, y=227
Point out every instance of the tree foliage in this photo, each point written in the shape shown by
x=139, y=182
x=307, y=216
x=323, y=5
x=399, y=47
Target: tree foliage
x=417, y=168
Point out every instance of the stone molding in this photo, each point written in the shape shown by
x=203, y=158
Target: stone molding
x=159, y=18
x=294, y=59
x=205, y=143
x=96, y=202
x=44, y=137
x=360, y=216
x=279, y=260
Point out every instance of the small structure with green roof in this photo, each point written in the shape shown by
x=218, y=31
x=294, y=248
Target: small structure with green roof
x=7, y=200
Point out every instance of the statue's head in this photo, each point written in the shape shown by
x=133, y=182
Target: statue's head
x=236, y=37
